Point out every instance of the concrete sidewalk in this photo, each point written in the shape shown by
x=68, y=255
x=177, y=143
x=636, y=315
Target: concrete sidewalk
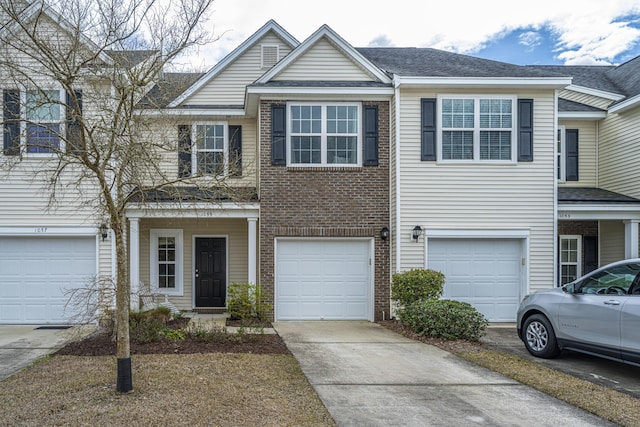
x=368, y=375
x=22, y=345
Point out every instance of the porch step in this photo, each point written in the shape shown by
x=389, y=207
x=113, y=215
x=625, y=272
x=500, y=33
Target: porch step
x=221, y=310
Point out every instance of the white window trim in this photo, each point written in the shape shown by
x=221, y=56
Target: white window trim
x=323, y=136
x=262, y=49
x=578, y=263
x=562, y=154
x=194, y=150
x=23, y=121
x=155, y=233
x=476, y=128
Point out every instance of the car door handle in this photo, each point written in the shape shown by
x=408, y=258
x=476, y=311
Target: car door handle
x=612, y=302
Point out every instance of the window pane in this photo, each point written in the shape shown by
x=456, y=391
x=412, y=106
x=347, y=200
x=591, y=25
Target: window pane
x=305, y=149
x=43, y=138
x=495, y=113
x=210, y=137
x=43, y=106
x=457, y=113
x=342, y=150
x=495, y=145
x=210, y=163
x=457, y=145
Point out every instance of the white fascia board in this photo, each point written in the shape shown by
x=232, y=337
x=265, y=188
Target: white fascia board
x=194, y=210
x=484, y=82
x=45, y=231
x=626, y=105
x=339, y=42
x=595, y=92
x=332, y=91
x=231, y=57
x=582, y=115
x=476, y=233
x=598, y=211
x=191, y=112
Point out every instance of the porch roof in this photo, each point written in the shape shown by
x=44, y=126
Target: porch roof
x=591, y=195
x=180, y=194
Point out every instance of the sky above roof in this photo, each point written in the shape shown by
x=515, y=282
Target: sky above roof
x=556, y=32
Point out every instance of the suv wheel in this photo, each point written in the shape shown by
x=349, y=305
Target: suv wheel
x=539, y=338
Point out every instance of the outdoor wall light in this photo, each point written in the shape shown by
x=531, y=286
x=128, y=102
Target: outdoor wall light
x=103, y=231
x=384, y=233
x=417, y=232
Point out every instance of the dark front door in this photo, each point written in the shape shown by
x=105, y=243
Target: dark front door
x=211, y=272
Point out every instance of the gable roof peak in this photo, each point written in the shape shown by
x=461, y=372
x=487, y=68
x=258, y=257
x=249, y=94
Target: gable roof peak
x=270, y=25
x=325, y=31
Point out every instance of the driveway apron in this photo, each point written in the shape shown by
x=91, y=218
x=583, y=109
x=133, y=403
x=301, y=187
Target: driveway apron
x=21, y=345
x=368, y=375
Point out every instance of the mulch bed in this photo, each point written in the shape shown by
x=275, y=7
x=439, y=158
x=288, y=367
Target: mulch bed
x=102, y=343
x=453, y=346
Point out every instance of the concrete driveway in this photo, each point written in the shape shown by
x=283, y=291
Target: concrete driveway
x=368, y=375
x=21, y=346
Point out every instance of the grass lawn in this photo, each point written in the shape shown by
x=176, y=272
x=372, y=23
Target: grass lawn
x=187, y=389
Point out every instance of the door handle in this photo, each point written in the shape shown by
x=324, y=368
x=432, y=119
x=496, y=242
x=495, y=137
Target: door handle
x=197, y=273
x=612, y=302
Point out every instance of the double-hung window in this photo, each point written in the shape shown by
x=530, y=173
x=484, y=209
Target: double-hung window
x=477, y=128
x=570, y=258
x=324, y=134
x=44, y=115
x=209, y=149
x=166, y=257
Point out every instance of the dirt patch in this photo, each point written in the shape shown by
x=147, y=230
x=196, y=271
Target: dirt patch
x=102, y=343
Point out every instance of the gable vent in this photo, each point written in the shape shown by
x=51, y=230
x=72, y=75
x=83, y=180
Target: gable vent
x=270, y=55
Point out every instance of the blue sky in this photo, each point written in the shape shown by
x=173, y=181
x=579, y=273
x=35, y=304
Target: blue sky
x=572, y=32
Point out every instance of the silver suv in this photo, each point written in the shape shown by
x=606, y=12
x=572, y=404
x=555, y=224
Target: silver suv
x=597, y=314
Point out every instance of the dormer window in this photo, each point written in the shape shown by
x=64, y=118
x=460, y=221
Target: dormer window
x=270, y=55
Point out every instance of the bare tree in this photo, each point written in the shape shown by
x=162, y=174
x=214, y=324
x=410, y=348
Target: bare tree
x=80, y=69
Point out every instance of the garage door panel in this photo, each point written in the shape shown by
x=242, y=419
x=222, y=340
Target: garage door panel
x=37, y=273
x=485, y=273
x=330, y=280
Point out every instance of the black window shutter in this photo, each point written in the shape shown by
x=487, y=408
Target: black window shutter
x=184, y=151
x=428, y=127
x=235, y=150
x=370, y=157
x=278, y=134
x=525, y=130
x=572, y=154
x=74, y=132
x=11, y=122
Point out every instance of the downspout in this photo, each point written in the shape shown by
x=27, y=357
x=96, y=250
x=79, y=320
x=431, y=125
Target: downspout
x=555, y=190
x=397, y=225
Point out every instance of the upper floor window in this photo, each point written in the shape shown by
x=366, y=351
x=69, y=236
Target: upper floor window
x=567, y=154
x=43, y=120
x=477, y=128
x=324, y=134
x=210, y=148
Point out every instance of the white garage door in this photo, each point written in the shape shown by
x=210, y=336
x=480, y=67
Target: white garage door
x=323, y=279
x=486, y=273
x=36, y=272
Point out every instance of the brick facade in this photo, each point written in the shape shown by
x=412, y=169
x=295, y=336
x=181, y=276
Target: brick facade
x=579, y=228
x=325, y=202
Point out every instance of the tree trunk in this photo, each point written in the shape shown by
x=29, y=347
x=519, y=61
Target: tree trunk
x=123, y=297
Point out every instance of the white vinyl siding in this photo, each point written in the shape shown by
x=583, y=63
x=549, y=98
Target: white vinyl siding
x=323, y=62
x=480, y=196
x=611, y=241
x=619, y=154
x=594, y=101
x=587, y=153
x=228, y=87
x=235, y=230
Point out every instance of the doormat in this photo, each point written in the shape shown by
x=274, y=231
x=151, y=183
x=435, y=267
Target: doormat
x=53, y=327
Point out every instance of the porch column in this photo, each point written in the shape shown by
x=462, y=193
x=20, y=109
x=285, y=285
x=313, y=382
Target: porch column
x=253, y=245
x=631, y=238
x=134, y=261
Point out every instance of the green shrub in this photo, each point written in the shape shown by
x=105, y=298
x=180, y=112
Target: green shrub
x=148, y=330
x=246, y=303
x=416, y=285
x=444, y=319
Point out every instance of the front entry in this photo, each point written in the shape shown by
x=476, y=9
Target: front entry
x=211, y=272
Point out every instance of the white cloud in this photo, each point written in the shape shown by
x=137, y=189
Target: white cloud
x=587, y=29
x=530, y=40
